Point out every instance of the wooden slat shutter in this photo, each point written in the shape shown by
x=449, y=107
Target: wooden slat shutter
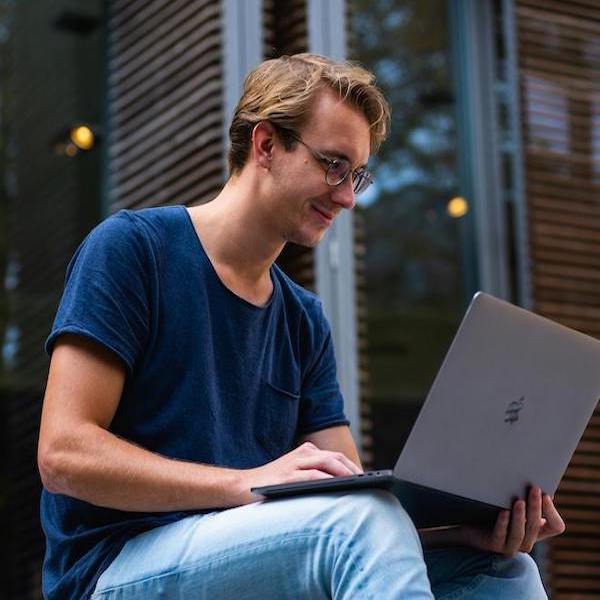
x=165, y=101
x=285, y=32
x=559, y=63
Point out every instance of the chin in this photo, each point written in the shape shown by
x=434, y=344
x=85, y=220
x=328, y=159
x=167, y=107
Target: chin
x=306, y=240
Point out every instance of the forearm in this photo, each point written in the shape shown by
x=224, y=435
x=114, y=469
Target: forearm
x=103, y=469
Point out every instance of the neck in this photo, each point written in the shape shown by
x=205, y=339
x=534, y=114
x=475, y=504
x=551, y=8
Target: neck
x=237, y=236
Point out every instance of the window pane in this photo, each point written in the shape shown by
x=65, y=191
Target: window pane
x=416, y=226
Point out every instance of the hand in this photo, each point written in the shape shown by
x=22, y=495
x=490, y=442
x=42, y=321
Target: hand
x=305, y=463
x=518, y=530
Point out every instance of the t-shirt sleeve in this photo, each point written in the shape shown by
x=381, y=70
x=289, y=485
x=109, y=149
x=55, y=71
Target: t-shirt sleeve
x=106, y=295
x=321, y=400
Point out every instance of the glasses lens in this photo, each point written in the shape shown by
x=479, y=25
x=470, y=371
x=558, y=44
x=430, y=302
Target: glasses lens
x=338, y=171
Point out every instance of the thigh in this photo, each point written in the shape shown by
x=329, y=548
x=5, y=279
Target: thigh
x=321, y=546
x=240, y=552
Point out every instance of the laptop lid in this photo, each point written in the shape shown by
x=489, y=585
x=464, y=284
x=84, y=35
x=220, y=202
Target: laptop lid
x=507, y=408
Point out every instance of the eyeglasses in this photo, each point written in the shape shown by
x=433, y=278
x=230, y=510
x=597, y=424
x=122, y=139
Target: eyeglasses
x=338, y=169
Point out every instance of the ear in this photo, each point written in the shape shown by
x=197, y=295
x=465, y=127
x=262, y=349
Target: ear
x=263, y=142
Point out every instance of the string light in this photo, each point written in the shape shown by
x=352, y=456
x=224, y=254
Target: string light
x=83, y=137
x=70, y=150
x=457, y=207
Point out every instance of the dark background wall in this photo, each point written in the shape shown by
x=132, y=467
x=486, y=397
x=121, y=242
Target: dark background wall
x=51, y=72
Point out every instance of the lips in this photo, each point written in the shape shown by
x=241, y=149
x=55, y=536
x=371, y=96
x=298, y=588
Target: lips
x=325, y=215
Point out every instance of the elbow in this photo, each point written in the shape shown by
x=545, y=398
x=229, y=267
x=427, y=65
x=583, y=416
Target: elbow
x=52, y=468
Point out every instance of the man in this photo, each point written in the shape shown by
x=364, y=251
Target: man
x=186, y=368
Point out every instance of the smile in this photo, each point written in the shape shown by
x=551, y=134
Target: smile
x=326, y=217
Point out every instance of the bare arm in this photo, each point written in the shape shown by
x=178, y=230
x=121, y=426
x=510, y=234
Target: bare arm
x=79, y=457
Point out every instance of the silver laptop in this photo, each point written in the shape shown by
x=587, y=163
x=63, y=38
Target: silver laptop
x=506, y=411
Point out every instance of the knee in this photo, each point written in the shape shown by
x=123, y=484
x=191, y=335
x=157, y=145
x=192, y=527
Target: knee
x=375, y=513
x=366, y=537
x=525, y=575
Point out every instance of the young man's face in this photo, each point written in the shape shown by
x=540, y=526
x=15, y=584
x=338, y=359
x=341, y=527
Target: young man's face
x=306, y=203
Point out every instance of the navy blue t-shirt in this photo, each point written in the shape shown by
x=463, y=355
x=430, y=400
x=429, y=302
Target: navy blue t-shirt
x=210, y=377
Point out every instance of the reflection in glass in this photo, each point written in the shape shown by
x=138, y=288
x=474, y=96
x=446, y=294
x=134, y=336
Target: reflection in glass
x=414, y=264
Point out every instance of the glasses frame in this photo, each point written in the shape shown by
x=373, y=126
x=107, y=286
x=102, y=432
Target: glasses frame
x=362, y=178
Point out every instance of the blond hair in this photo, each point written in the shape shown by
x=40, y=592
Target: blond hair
x=282, y=91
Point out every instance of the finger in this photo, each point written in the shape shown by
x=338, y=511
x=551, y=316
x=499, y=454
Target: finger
x=354, y=469
x=516, y=531
x=327, y=462
x=533, y=519
x=310, y=475
x=554, y=522
x=349, y=463
x=498, y=538
x=306, y=447
x=295, y=476
x=341, y=457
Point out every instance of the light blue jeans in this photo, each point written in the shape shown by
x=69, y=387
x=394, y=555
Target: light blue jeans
x=341, y=546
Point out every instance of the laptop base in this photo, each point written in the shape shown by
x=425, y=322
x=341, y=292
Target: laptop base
x=426, y=507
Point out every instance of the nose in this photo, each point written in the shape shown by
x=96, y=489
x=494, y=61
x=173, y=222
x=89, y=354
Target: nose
x=343, y=194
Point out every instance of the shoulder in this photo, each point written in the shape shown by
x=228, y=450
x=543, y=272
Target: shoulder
x=149, y=223
x=156, y=222
x=133, y=232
